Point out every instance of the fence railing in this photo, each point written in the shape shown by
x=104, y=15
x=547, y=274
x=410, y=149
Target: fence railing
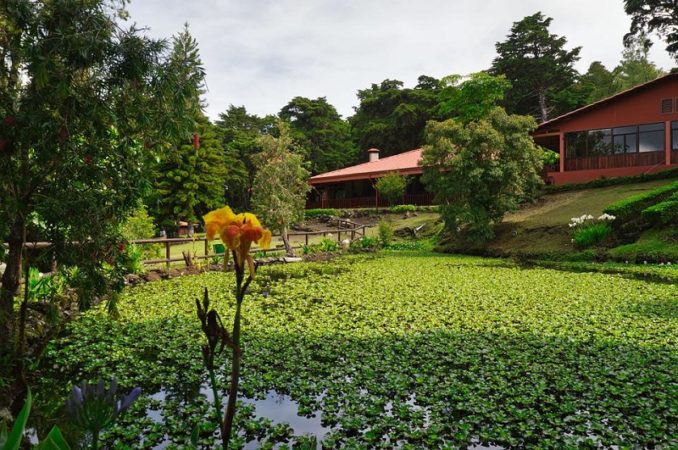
x=371, y=201
x=614, y=161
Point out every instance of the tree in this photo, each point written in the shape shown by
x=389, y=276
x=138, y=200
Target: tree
x=480, y=170
x=190, y=180
x=392, y=118
x=85, y=105
x=635, y=67
x=539, y=68
x=280, y=185
x=317, y=127
x=471, y=97
x=392, y=187
x=240, y=132
x=598, y=82
x=660, y=16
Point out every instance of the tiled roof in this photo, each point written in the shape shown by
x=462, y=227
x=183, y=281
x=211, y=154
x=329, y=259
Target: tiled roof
x=405, y=163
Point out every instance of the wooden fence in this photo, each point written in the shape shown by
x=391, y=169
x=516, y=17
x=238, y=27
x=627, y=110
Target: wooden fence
x=372, y=201
x=613, y=161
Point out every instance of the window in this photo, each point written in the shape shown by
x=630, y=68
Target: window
x=651, y=138
x=625, y=139
x=575, y=145
x=667, y=106
x=674, y=133
x=599, y=142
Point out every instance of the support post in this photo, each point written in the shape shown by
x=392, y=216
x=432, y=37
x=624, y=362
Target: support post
x=306, y=238
x=167, y=254
x=561, y=140
x=667, y=142
x=207, y=248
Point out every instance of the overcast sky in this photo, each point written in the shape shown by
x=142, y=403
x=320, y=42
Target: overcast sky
x=262, y=53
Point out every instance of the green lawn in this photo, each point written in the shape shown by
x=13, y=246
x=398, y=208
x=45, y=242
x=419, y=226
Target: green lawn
x=418, y=349
x=542, y=227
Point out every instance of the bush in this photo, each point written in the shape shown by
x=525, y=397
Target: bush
x=633, y=206
x=663, y=213
x=365, y=243
x=590, y=234
x=392, y=186
x=321, y=212
x=402, y=208
x=324, y=246
x=385, y=232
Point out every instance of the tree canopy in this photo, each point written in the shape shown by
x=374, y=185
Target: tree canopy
x=539, y=67
x=660, y=16
x=391, y=117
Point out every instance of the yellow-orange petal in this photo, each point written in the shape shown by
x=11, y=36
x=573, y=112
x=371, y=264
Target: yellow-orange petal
x=265, y=240
x=250, y=264
x=230, y=236
x=212, y=229
x=248, y=218
x=251, y=233
x=221, y=217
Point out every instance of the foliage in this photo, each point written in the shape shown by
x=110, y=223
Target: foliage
x=138, y=225
x=280, y=185
x=539, y=67
x=319, y=129
x=385, y=231
x=392, y=187
x=240, y=132
x=472, y=97
x=392, y=118
x=86, y=103
x=326, y=245
x=133, y=257
x=315, y=212
x=515, y=355
x=633, y=206
x=402, y=208
x=591, y=234
x=663, y=213
x=549, y=157
x=653, y=16
x=365, y=243
x=480, y=171
x=658, y=245
x=635, y=67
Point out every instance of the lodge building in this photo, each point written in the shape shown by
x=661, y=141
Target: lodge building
x=631, y=133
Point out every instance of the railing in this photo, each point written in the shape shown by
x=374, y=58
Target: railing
x=371, y=201
x=614, y=161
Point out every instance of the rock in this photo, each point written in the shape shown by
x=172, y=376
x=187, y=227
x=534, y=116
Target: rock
x=152, y=276
x=173, y=273
x=291, y=259
x=133, y=279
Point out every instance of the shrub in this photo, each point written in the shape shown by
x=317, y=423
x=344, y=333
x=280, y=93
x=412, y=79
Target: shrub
x=315, y=212
x=663, y=213
x=325, y=246
x=633, y=206
x=385, y=232
x=365, y=243
x=591, y=234
x=402, y=208
x=392, y=186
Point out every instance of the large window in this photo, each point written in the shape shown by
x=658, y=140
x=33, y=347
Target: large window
x=674, y=133
x=614, y=141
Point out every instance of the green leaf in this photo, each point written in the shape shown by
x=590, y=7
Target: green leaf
x=54, y=441
x=14, y=438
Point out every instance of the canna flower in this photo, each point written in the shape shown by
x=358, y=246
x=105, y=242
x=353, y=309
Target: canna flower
x=237, y=232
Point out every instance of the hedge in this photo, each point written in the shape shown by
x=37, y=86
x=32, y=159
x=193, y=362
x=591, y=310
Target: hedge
x=633, y=206
x=664, y=213
x=614, y=181
x=321, y=212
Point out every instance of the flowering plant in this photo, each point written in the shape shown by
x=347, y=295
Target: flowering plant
x=238, y=232
x=587, y=230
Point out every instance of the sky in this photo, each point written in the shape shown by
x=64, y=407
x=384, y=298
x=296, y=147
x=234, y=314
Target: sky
x=262, y=53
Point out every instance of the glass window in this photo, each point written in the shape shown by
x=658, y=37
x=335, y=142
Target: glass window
x=674, y=132
x=652, y=127
x=575, y=145
x=631, y=143
x=625, y=130
x=625, y=144
x=651, y=138
x=599, y=142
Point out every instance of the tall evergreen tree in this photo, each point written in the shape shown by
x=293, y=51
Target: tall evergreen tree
x=317, y=127
x=392, y=118
x=635, y=67
x=539, y=67
x=191, y=180
x=598, y=82
x=660, y=16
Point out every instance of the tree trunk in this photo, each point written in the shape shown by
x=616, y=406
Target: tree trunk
x=543, y=109
x=10, y=285
x=286, y=241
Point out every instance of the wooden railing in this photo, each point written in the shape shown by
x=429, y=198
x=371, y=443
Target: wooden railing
x=372, y=201
x=614, y=161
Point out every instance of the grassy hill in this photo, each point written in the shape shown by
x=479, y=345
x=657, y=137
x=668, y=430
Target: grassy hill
x=542, y=228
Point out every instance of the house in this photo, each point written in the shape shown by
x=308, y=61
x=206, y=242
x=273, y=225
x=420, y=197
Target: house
x=353, y=187
x=631, y=133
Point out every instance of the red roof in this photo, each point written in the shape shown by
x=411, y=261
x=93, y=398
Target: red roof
x=404, y=163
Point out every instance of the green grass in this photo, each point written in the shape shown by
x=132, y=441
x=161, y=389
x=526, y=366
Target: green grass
x=425, y=350
x=653, y=245
x=542, y=227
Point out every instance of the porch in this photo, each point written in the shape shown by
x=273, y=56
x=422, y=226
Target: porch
x=362, y=194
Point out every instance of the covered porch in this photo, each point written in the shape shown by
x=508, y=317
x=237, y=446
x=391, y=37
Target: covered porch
x=610, y=152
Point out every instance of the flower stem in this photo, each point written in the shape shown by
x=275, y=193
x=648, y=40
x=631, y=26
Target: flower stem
x=215, y=392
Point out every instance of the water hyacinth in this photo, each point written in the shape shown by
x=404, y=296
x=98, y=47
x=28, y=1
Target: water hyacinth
x=93, y=407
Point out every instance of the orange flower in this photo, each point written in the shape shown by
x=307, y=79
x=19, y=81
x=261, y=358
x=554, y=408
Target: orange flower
x=237, y=232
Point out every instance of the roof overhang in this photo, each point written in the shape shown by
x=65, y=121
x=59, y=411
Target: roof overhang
x=318, y=180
